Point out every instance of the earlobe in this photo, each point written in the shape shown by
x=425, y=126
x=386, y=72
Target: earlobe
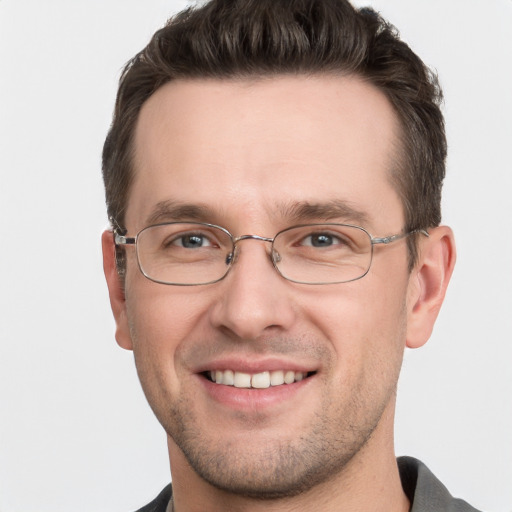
x=115, y=291
x=428, y=283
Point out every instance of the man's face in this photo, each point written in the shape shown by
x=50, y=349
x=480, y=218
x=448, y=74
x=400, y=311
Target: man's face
x=245, y=155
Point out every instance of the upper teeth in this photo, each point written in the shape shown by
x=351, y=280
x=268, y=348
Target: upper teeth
x=257, y=380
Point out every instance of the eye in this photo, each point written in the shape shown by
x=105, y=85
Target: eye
x=321, y=240
x=191, y=241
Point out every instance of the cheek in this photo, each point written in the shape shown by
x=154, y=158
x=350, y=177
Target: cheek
x=364, y=322
x=162, y=314
x=161, y=320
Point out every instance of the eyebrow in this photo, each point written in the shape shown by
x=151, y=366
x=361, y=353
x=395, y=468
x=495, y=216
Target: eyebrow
x=337, y=209
x=171, y=210
x=294, y=213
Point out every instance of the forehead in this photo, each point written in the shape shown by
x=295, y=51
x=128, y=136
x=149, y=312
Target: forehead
x=263, y=146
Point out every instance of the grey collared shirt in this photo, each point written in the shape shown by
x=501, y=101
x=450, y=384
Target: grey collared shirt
x=425, y=492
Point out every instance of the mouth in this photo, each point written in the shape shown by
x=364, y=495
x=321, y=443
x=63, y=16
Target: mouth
x=260, y=380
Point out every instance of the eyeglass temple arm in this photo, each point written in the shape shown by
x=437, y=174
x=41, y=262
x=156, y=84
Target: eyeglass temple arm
x=392, y=238
x=123, y=240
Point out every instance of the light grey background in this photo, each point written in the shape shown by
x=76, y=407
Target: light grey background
x=75, y=431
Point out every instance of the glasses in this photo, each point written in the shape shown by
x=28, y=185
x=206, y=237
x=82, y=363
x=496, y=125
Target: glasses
x=195, y=253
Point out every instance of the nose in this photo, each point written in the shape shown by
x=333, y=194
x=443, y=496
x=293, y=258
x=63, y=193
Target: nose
x=253, y=298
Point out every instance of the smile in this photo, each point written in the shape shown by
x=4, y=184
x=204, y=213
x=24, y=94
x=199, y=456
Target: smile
x=261, y=380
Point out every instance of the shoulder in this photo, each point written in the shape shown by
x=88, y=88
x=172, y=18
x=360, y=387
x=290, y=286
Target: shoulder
x=425, y=492
x=159, y=504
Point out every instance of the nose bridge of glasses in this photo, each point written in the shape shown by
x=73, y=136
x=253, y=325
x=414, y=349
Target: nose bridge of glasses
x=252, y=237
x=231, y=258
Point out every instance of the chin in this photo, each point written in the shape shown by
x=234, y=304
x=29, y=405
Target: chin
x=266, y=468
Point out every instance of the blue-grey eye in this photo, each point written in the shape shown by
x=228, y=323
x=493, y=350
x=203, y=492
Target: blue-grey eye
x=321, y=240
x=193, y=241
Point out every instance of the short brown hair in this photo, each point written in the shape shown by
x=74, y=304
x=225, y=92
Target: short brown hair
x=249, y=38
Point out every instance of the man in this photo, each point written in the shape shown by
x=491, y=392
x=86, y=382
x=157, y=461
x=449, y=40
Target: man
x=273, y=177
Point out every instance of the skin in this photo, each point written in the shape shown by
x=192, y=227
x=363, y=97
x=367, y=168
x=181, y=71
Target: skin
x=248, y=151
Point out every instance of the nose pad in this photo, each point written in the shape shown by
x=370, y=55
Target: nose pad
x=232, y=256
x=276, y=257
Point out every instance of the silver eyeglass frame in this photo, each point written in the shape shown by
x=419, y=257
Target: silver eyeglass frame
x=122, y=240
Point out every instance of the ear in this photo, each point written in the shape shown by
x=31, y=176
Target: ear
x=115, y=290
x=428, y=283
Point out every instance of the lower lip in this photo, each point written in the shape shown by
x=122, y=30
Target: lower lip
x=251, y=398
